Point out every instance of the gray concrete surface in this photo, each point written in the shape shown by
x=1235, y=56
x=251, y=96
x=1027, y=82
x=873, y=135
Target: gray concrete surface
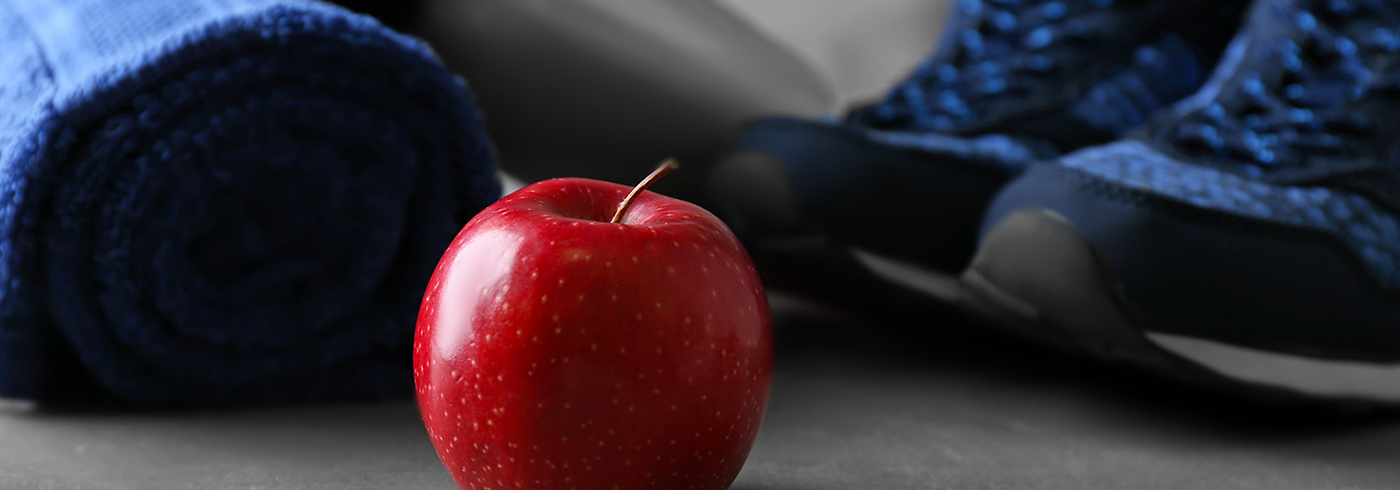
x=856, y=404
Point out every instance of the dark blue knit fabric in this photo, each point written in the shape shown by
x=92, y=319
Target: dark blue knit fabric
x=1295, y=128
x=222, y=202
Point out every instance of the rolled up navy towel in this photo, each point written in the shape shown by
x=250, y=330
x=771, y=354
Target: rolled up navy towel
x=222, y=202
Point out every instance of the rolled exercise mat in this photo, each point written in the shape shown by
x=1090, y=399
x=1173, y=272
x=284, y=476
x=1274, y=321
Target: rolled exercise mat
x=222, y=202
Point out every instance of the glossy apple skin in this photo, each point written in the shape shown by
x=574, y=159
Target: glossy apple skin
x=555, y=350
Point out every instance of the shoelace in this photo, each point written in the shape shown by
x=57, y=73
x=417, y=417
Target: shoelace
x=1291, y=105
x=1002, y=50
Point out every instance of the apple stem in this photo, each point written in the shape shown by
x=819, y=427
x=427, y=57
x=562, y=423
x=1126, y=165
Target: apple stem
x=665, y=168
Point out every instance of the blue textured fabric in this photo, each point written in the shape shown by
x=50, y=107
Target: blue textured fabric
x=222, y=202
x=1052, y=75
x=1160, y=73
x=1293, y=129
x=997, y=151
x=1297, y=96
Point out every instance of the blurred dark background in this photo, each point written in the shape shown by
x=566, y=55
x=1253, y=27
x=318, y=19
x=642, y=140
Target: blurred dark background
x=606, y=89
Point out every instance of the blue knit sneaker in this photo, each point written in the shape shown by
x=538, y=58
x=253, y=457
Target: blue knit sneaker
x=887, y=200
x=1250, y=238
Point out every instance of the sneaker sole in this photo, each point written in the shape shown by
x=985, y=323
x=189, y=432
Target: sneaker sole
x=837, y=274
x=795, y=254
x=1038, y=276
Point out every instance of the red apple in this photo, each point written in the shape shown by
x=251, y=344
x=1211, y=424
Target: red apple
x=557, y=350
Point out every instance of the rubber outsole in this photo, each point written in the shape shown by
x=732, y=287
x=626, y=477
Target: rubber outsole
x=1038, y=276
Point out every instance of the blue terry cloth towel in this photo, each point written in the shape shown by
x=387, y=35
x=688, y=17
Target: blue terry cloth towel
x=213, y=203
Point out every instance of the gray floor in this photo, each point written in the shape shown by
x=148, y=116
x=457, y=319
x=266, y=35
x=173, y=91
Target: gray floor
x=856, y=404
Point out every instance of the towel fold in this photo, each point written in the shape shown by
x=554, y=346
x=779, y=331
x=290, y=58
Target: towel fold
x=222, y=202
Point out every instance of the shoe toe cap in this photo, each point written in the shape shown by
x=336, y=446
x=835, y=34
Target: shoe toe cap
x=1195, y=268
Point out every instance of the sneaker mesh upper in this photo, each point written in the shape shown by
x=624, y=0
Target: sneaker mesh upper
x=1294, y=128
x=1287, y=110
x=1055, y=75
